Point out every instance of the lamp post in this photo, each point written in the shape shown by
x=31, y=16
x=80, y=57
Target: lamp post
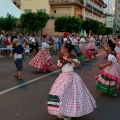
x=114, y=20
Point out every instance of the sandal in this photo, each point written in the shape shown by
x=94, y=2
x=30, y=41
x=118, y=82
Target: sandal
x=15, y=75
x=20, y=78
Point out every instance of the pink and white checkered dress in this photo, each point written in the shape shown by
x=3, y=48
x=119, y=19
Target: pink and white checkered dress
x=42, y=60
x=91, y=45
x=75, y=99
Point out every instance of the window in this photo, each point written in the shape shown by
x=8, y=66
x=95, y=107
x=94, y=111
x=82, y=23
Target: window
x=27, y=10
x=42, y=10
x=54, y=11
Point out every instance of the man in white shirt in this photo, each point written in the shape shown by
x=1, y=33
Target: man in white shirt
x=65, y=40
x=82, y=45
x=82, y=40
x=55, y=43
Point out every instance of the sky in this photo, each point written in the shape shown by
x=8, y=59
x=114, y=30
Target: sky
x=111, y=4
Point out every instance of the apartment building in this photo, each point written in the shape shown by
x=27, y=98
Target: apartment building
x=117, y=15
x=84, y=9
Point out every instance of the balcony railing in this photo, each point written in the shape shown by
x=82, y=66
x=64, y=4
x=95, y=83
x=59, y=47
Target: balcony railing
x=53, y=16
x=105, y=5
x=101, y=1
x=94, y=8
x=17, y=2
x=66, y=1
x=91, y=17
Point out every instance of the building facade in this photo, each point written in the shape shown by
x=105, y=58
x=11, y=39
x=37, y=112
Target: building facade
x=117, y=15
x=84, y=9
x=109, y=20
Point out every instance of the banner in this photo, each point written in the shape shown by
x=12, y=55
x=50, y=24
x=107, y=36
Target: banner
x=81, y=32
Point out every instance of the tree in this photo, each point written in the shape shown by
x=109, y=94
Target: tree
x=2, y=23
x=92, y=25
x=108, y=31
x=101, y=30
x=34, y=21
x=8, y=23
x=68, y=24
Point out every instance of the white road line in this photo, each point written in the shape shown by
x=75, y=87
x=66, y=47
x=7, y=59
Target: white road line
x=23, y=84
x=36, y=79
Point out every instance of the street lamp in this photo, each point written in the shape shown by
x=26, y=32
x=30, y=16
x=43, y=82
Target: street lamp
x=114, y=21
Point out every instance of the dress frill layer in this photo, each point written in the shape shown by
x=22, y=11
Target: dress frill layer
x=42, y=60
x=108, y=78
x=70, y=97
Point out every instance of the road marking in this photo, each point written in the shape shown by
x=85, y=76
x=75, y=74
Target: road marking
x=36, y=79
x=23, y=84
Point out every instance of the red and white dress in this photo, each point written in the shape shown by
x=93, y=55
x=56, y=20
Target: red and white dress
x=109, y=77
x=43, y=59
x=68, y=95
x=91, y=47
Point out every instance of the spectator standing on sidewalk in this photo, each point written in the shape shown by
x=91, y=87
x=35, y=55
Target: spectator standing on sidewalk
x=59, y=43
x=8, y=45
x=33, y=44
x=55, y=42
x=3, y=45
x=14, y=35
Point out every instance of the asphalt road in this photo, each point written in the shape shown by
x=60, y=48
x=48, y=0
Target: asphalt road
x=26, y=100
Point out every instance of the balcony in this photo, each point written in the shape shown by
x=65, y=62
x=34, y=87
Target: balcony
x=17, y=2
x=105, y=5
x=99, y=2
x=92, y=18
x=54, y=16
x=95, y=10
x=79, y=3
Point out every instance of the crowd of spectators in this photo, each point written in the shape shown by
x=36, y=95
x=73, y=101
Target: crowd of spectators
x=34, y=42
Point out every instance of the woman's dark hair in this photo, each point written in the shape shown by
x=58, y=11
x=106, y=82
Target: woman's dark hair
x=118, y=36
x=112, y=46
x=44, y=36
x=7, y=35
x=69, y=46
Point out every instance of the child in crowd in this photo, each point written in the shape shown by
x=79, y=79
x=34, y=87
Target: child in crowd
x=68, y=96
x=106, y=81
x=17, y=53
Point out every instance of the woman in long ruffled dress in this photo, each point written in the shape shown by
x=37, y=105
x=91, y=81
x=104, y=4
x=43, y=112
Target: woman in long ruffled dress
x=82, y=45
x=91, y=47
x=77, y=50
x=109, y=78
x=43, y=59
x=68, y=96
x=117, y=50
